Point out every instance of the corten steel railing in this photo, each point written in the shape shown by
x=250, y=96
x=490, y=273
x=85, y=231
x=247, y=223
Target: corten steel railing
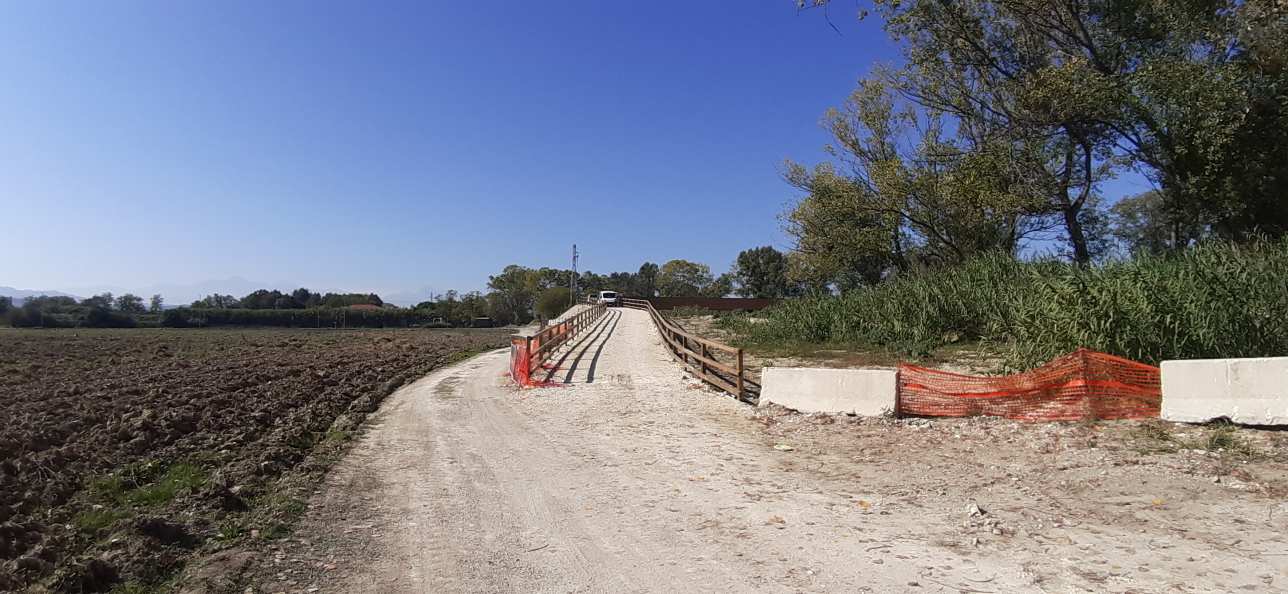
x=699, y=354
x=529, y=353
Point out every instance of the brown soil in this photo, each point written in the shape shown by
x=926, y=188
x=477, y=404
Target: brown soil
x=124, y=451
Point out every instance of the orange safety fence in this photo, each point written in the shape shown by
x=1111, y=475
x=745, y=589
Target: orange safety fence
x=1084, y=384
x=520, y=361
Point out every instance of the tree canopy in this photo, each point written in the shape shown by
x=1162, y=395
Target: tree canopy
x=1007, y=116
x=682, y=278
x=762, y=272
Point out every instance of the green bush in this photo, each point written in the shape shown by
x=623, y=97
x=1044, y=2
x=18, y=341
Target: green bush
x=553, y=301
x=99, y=317
x=1214, y=300
x=21, y=318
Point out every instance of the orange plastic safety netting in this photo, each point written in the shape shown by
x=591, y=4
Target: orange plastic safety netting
x=520, y=362
x=1084, y=384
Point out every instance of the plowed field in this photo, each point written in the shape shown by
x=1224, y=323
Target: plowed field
x=124, y=451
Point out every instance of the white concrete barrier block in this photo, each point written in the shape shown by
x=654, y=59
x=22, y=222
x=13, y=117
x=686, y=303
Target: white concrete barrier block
x=1248, y=391
x=866, y=392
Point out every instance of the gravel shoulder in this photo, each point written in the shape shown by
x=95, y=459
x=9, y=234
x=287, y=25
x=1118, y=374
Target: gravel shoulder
x=630, y=477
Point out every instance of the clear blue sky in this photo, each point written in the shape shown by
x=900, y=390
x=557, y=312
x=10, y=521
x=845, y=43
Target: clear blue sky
x=396, y=147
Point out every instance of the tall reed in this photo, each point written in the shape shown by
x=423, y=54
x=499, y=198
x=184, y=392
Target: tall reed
x=1213, y=300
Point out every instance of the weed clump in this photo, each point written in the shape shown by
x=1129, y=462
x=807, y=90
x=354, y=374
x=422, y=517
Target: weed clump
x=1221, y=438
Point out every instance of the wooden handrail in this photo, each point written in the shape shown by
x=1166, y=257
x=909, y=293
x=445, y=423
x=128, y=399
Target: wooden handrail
x=700, y=362
x=550, y=338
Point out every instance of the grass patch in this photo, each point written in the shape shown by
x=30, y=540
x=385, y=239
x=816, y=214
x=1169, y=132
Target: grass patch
x=1224, y=438
x=293, y=508
x=275, y=531
x=1219, y=438
x=94, y=521
x=1154, y=438
x=336, y=436
x=280, y=506
x=230, y=529
x=177, y=480
x=690, y=311
x=459, y=356
x=148, y=483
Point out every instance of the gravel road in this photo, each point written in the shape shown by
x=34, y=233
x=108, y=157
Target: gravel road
x=630, y=477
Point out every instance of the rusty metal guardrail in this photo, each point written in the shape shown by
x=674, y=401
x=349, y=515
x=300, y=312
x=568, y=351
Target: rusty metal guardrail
x=700, y=355
x=529, y=353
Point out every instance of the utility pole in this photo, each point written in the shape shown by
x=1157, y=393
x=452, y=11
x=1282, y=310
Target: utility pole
x=573, y=284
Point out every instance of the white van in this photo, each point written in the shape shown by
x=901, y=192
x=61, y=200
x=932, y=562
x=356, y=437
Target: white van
x=607, y=298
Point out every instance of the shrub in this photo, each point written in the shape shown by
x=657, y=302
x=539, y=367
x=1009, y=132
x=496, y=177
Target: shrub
x=1214, y=300
x=99, y=317
x=175, y=318
x=553, y=301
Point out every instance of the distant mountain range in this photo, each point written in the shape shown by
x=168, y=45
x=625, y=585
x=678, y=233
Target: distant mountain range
x=184, y=294
x=20, y=295
x=174, y=294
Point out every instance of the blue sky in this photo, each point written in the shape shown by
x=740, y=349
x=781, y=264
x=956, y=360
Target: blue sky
x=399, y=147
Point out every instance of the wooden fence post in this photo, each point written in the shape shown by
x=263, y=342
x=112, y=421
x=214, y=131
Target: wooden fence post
x=740, y=388
x=527, y=353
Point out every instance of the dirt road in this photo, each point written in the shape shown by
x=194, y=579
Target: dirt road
x=631, y=478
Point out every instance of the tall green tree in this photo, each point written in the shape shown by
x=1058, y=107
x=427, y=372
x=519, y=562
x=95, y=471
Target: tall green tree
x=761, y=272
x=1195, y=94
x=156, y=304
x=719, y=287
x=553, y=277
x=130, y=303
x=102, y=300
x=589, y=283
x=646, y=280
x=1142, y=226
x=909, y=192
x=475, y=305
x=838, y=239
x=216, y=301
x=552, y=302
x=515, y=290
x=306, y=298
x=261, y=299
x=682, y=278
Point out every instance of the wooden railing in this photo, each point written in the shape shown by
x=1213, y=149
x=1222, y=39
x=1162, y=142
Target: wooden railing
x=529, y=353
x=700, y=355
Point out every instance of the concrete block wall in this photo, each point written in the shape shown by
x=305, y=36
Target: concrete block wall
x=868, y=392
x=1247, y=391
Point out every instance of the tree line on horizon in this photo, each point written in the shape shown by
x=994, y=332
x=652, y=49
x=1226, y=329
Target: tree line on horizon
x=128, y=310
x=519, y=294
x=516, y=295
x=103, y=310
x=301, y=298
